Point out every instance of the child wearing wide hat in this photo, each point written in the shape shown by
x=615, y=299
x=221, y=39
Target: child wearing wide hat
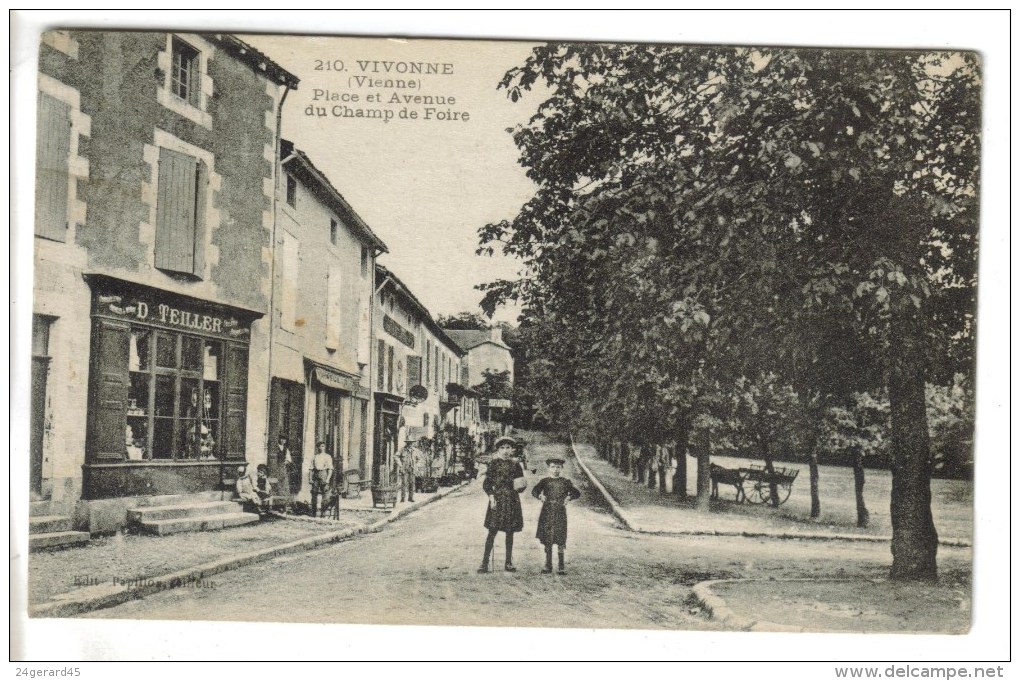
x=555, y=492
x=504, y=481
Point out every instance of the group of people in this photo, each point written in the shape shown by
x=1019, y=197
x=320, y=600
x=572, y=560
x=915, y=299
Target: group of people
x=504, y=483
x=258, y=493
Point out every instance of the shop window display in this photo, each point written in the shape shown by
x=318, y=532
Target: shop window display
x=174, y=401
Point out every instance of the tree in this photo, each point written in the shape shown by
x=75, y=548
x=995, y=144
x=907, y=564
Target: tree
x=494, y=385
x=700, y=206
x=463, y=321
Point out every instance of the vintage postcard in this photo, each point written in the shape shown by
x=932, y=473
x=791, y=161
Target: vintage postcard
x=607, y=335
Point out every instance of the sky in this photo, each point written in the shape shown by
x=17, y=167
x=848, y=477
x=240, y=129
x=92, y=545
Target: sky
x=425, y=185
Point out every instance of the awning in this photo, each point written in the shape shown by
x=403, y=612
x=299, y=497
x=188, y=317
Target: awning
x=340, y=380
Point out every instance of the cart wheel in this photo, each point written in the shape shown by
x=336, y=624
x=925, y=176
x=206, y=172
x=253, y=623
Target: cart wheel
x=759, y=492
x=783, y=492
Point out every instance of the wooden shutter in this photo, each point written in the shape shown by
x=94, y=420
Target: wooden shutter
x=389, y=369
x=236, y=379
x=52, y=149
x=333, y=307
x=110, y=381
x=176, y=211
x=380, y=376
x=296, y=419
x=413, y=371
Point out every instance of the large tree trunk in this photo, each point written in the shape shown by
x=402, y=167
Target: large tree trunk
x=914, y=540
x=862, y=510
x=704, y=502
x=816, y=503
x=680, y=453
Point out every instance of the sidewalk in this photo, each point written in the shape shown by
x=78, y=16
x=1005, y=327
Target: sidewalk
x=111, y=570
x=801, y=605
x=650, y=511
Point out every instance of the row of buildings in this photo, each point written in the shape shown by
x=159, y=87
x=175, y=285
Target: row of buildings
x=201, y=288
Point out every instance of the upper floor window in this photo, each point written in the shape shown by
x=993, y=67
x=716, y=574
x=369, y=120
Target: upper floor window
x=184, y=72
x=333, y=228
x=52, y=150
x=180, y=228
x=291, y=191
x=364, y=261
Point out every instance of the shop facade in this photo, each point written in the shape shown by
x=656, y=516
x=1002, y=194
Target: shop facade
x=152, y=269
x=321, y=360
x=168, y=387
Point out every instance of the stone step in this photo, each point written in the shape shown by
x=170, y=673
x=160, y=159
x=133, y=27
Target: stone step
x=173, y=512
x=53, y=540
x=45, y=524
x=181, y=499
x=36, y=508
x=197, y=524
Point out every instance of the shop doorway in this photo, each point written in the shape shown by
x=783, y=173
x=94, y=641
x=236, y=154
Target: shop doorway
x=40, y=374
x=286, y=417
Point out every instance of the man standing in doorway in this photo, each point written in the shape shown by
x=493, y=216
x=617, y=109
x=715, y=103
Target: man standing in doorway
x=281, y=463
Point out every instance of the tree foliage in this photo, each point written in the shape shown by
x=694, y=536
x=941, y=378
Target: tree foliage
x=705, y=215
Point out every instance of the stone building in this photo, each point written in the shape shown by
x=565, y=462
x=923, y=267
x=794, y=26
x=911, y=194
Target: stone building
x=156, y=176
x=411, y=351
x=321, y=359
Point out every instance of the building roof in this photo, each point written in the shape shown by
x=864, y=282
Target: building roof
x=258, y=61
x=472, y=338
x=297, y=163
x=401, y=289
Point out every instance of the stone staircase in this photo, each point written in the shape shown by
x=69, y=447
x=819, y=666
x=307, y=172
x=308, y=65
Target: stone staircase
x=46, y=530
x=173, y=514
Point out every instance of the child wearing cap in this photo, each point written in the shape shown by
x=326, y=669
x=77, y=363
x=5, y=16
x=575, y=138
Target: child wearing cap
x=554, y=492
x=248, y=493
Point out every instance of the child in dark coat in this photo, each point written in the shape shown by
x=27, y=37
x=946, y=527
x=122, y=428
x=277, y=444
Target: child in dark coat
x=554, y=492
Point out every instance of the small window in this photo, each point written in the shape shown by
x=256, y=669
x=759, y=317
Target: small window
x=291, y=191
x=332, y=231
x=184, y=72
x=364, y=261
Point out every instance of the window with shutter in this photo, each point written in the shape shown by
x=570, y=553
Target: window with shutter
x=52, y=149
x=413, y=371
x=334, y=307
x=381, y=367
x=179, y=204
x=389, y=369
x=290, y=256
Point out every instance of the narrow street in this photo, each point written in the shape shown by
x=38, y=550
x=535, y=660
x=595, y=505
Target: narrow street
x=422, y=570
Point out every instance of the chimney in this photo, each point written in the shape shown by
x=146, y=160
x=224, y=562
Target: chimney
x=497, y=334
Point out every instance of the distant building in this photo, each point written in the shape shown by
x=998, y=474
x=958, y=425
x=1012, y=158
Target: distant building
x=411, y=351
x=322, y=328
x=156, y=164
x=485, y=350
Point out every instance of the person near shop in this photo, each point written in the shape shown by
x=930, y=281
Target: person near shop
x=555, y=492
x=249, y=494
x=504, y=482
x=281, y=463
x=320, y=475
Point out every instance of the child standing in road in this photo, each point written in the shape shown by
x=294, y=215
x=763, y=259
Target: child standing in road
x=554, y=492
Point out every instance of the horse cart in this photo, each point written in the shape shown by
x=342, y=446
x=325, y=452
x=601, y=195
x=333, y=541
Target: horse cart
x=755, y=484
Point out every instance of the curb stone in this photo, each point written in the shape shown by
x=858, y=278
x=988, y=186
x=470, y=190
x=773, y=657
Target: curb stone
x=104, y=596
x=614, y=505
x=720, y=611
x=621, y=516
